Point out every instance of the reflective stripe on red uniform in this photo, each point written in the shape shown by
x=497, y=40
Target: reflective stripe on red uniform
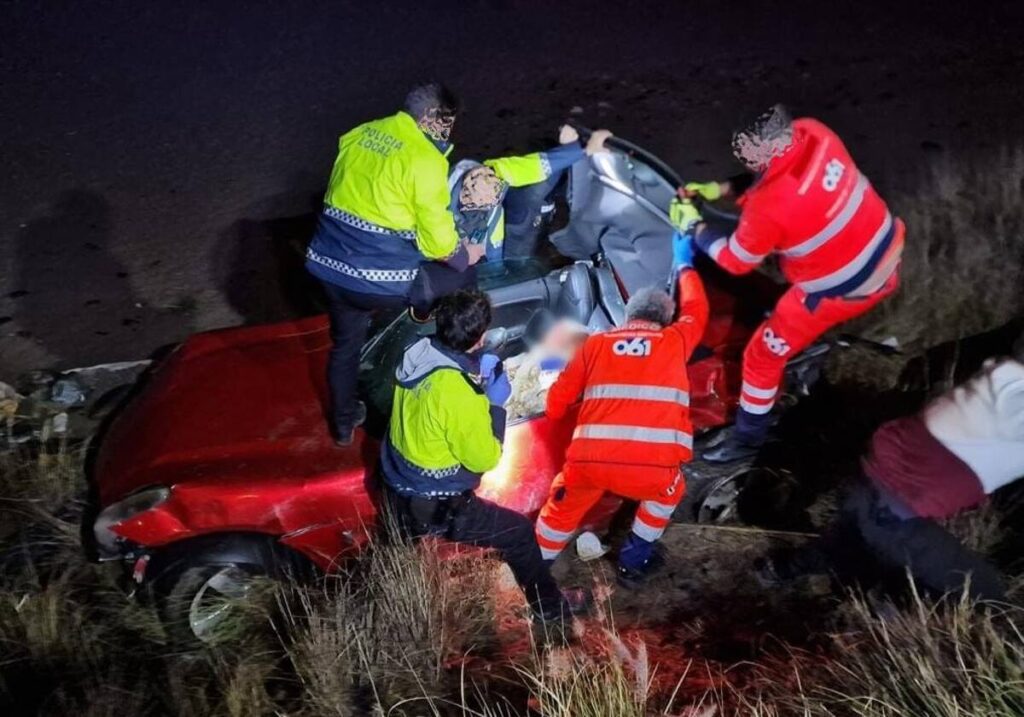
x=581, y=486
x=634, y=427
x=791, y=328
x=634, y=388
x=814, y=208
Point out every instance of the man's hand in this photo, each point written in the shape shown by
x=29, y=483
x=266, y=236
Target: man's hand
x=682, y=250
x=711, y=191
x=475, y=251
x=567, y=134
x=683, y=214
x=495, y=381
x=595, y=145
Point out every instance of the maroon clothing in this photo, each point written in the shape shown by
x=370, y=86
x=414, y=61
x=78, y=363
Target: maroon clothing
x=908, y=463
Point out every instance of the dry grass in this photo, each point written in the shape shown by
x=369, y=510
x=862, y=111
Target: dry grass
x=391, y=638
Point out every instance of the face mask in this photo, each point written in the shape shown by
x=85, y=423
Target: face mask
x=770, y=136
x=437, y=126
x=481, y=189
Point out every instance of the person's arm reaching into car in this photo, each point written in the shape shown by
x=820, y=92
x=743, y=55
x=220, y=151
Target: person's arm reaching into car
x=470, y=430
x=569, y=387
x=532, y=168
x=693, y=309
x=742, y=251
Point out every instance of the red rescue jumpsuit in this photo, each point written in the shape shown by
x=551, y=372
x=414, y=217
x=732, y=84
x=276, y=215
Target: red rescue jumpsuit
x=838, y=244
x=633, y=431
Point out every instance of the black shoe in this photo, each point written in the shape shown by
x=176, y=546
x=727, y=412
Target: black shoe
x=575, y=602
x=730, y=450
x=345, y=435
x=419, y=319
x=634, y=578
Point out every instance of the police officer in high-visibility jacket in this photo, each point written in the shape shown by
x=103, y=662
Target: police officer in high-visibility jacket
x=386, y=238
x=485, y=196
x=633, y=432
x=838, y=245
x=447, y=426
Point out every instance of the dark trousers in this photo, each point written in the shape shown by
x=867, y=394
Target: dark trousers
x=474, y=521
x=937, y=561
x=350, y=312
x=523, y=224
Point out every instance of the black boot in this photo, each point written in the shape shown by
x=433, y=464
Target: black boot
x=344, y=435
x=634, y=578
x=733, y=448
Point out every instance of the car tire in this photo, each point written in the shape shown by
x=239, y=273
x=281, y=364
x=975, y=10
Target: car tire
x=214, y=589
x=206, y=605
x=704, y=498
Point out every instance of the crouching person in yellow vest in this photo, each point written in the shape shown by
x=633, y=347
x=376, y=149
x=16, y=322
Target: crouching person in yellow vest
x=447, y=426
x=386, y=238
x=501, y=203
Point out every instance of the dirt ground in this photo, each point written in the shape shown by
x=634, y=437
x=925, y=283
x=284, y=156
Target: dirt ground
x=150, y=150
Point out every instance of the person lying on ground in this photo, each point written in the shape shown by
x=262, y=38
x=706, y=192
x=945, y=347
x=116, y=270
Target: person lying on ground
x=839, y=247
x=920, y=469
x=512, y=193
x=634, y=431
x=446, y=430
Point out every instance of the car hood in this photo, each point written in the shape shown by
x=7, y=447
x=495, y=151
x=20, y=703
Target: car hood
x=229, y=406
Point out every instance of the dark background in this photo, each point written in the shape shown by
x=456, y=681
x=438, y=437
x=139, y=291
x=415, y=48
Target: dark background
x=145, y=146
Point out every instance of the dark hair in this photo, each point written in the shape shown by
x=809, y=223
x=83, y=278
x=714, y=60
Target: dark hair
x=462, y=318
x=424, y=98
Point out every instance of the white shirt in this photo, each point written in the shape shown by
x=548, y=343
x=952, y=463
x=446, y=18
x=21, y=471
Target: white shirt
x=982, y=422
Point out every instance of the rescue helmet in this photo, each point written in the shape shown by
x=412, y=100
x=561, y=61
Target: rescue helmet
x=651, y=304
x=434, y=108
x=767, y=137
x=481, y=189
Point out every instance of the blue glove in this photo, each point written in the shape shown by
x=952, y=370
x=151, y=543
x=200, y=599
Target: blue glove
x=499, y=389
x=488, y=362
x=682, y=250
x=552, y=364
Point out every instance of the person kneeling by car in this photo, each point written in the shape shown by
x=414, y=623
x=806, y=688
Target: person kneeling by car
x=634, y=431
x=447, y=426
x=965, y=445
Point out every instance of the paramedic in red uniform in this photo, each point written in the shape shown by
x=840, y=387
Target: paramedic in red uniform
x=633, y=433
x=838, y=245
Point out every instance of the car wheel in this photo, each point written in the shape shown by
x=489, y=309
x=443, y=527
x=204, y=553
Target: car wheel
x=712, y=492
x=212, y=604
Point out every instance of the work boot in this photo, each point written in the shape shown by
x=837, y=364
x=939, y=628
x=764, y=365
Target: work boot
x=731, y=445
x=730, y=450
x=344, y=435
x=554, y=625
x=634, y=578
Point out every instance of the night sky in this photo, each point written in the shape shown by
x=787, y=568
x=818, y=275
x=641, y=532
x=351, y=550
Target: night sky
x=146, y=145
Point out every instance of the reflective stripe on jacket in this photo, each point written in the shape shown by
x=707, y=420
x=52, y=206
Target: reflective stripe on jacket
x=385, y=210
x=634, y=387
x=820, y=214
x=444, y=433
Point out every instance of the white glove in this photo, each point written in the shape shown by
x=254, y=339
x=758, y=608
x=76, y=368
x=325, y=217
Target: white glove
x=567, y=134
x=595, y=144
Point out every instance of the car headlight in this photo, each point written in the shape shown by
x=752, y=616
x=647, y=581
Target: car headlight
x=107, y=541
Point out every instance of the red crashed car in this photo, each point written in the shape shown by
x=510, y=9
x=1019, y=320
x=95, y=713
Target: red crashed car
x=222, y=467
